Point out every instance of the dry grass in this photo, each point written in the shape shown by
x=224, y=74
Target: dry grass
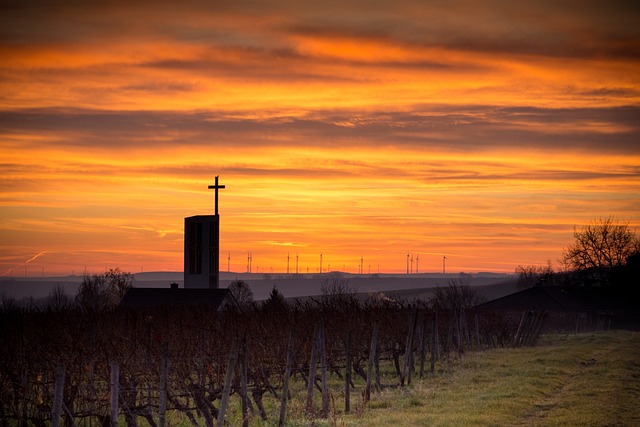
x=590, y=379
x=586, y=379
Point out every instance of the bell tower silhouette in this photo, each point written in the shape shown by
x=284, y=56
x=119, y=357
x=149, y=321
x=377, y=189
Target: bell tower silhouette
x=202, y=247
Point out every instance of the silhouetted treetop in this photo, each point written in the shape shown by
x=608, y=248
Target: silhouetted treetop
x=103, y=291
x=599, y=247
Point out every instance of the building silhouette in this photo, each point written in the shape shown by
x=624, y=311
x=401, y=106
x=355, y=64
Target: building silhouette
x=202, y=248
x=148, y=298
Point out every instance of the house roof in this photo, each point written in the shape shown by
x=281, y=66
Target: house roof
x=151, y=297
x=551, y=298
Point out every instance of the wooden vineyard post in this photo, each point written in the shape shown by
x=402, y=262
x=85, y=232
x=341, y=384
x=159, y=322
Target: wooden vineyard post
x=464, y=327
x=113, y=386
x=313, y=365
x=516, y=339
x=376, y=366
x=423, y=342
x=324, y=413
x=226, y=391
x=476, y=322
x=372, y=356
x=538, y=327
x=458, y=332
x=408, y=351
x=435, y=350
x=451, y=335
x=284, y=399
x=22, y=406
x=58, y=397
x=243, y=376
x=347, y=377
x=527, y=330
x=532, y=323
x=164, y=372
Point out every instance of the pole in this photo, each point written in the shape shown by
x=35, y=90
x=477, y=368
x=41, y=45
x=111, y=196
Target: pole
x=115, y=376
x=226, y=391
x=313, y=365
x=372, y=357
x=58, y=396
x=284, y=398
x=324, y=413
x=243, y=384
x=347, y=377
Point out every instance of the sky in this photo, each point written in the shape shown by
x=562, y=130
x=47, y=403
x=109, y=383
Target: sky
x=480, y=131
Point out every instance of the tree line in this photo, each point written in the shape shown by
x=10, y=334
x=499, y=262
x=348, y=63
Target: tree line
x=604, y=252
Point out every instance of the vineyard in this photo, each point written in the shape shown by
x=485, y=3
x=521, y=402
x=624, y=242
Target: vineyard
x=97, y=368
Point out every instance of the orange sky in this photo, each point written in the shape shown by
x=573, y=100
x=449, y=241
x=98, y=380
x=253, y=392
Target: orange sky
x=483, y=132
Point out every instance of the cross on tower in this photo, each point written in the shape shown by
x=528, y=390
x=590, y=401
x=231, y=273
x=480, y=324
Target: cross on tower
x=215, y=187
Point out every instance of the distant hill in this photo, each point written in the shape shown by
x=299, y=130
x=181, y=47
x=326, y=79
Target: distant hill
x=421, y=286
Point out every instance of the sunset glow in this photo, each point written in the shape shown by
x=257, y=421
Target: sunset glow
x=483, y=131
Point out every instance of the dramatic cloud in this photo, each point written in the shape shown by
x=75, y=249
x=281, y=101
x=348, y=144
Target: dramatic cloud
x=485, y=131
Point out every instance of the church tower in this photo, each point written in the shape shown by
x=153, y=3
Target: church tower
x=202, y=248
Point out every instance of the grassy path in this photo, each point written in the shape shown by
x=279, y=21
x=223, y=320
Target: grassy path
x=590, y=394
x=583, y=380
x=590, y=379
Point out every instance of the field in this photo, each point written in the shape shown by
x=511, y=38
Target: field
x=139, y=368
x=586, y=379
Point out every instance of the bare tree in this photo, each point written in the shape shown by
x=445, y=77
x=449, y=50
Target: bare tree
x=336, y=289
x=58, y=300
x=102, y=291
x=241, y=292
x=534, y=275
x=458, y=295
x=600, y=246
